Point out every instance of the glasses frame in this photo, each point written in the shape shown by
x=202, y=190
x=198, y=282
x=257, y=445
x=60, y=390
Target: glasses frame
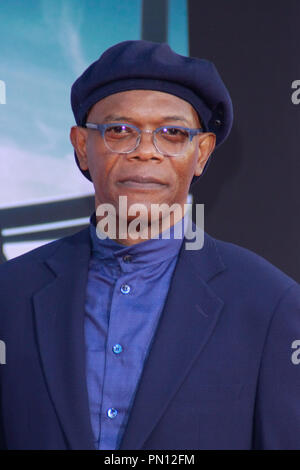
x=102, y=128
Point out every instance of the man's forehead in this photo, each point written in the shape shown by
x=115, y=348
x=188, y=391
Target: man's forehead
x=131, y=104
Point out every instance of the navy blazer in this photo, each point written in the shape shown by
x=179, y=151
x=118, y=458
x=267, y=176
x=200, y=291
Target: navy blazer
x=219, y=375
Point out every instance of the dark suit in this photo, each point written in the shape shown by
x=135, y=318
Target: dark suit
x=219, y=374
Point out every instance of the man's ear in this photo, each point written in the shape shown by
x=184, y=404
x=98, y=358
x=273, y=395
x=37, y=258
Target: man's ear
x=78, y=136
x=207, y=143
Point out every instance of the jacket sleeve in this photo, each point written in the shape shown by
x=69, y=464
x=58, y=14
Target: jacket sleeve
x=2, y=442
x=277, y=409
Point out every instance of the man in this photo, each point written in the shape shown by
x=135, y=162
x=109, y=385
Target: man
x=138, y=342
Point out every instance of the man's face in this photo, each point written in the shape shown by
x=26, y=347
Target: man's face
x=145, y=109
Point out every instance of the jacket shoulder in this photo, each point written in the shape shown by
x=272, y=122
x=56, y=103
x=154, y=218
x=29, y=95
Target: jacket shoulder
x=38, y=255
x=248, y=266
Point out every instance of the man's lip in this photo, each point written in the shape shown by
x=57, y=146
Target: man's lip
x=136, y=185
x=141, y=179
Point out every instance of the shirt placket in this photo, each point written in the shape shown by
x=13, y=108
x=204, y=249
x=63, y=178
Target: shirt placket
x=115, y=392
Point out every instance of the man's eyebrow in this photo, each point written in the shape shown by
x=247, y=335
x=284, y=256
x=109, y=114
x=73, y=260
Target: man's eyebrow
x=115, y=117
x=175, y=118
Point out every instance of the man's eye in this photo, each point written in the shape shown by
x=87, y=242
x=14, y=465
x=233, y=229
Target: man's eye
x=118, y=132
x=118, y=129
x=174, y=132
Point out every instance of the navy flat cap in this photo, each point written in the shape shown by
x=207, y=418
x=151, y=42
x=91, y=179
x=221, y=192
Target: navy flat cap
x=140, y=65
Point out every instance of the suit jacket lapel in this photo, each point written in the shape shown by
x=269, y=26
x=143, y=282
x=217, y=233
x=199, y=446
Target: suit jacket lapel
x=187, y=321
x=59, y=315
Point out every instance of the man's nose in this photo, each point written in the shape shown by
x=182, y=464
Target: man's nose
x=146, y=149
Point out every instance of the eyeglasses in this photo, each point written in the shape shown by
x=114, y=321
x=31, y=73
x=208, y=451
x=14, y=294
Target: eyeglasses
x=125, y=138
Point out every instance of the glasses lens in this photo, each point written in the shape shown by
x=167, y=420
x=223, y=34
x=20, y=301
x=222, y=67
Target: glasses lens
x=121, y=138
x=171, y=140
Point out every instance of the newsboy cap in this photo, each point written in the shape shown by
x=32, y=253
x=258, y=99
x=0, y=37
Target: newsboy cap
x=146, y=65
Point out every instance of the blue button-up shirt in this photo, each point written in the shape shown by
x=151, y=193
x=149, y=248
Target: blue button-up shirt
x=126, y=291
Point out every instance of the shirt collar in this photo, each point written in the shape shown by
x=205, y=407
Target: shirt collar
x=148, y=252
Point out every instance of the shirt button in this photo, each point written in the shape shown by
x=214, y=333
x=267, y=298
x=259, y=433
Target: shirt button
x=112, y=413
x=125, y=289
x=117, y=349
x=127, y=258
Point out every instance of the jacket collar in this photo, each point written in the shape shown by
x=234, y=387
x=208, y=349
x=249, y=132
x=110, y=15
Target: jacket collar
x=190, y=314
x=59, y=315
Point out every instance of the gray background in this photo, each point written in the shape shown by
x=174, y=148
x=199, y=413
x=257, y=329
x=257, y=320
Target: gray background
x=251, y=189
